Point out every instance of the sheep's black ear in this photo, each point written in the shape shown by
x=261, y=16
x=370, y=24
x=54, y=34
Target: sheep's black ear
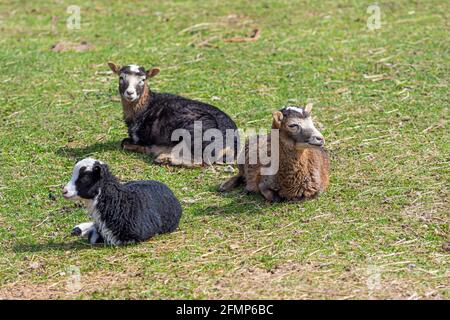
x=152, y=72
x=114, y=67
x=277, y=117
x=99, y=169
x=96, y=170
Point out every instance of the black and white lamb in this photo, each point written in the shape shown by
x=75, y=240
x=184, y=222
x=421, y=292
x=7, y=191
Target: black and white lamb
x=152, y=119
x=122, y=213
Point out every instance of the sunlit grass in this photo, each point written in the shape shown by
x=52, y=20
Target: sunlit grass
x=381, y=98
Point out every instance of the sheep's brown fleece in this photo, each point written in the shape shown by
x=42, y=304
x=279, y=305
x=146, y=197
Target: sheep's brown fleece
x=302, y=174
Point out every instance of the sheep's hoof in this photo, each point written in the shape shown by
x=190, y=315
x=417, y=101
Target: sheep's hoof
x=76, y=232
x=166, y=160
x=276, y=199
x=94, y=237
x=126, y=142
x=224, y=187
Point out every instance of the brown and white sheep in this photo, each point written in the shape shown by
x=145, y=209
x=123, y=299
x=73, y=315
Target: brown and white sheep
x=303, y=171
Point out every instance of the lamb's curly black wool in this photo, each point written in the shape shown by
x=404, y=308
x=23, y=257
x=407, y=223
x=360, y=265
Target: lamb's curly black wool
x=122, y=213
x=134, y=211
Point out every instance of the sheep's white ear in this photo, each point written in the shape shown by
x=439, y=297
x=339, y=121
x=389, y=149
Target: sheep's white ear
x=114, y=67
x=277, y=117
x=152, y=72
x=308, y=107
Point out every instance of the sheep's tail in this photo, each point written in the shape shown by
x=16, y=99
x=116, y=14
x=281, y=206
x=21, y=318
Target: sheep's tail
x=231, y=183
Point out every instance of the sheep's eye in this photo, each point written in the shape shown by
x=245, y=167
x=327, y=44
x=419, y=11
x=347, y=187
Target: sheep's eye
x=294, y=126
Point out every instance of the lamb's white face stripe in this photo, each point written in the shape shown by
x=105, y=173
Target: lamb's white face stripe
x=70, y=187
x=133, y=81
x=310, y=124
x=134, y=68
x=295, y=109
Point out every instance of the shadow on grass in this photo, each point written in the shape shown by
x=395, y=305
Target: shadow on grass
x=55, y=246
x=241, y=204
x=77, y=153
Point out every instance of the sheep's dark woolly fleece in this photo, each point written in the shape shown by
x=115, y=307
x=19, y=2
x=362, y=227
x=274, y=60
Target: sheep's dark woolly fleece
x=168, y=112
x=152, y=117
x=122, y=213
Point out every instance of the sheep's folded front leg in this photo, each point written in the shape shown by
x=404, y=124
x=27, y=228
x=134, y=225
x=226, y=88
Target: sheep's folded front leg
x=269, y=194
x=83, y=229
x=166, y=155
x=128, y=145
x=89, y=231
x=266, y=187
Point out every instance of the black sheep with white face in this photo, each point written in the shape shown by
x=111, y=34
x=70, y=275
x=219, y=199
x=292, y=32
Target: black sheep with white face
x=152, y=118
x=121, y=213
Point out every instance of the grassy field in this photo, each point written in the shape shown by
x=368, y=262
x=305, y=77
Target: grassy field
x=381, y=98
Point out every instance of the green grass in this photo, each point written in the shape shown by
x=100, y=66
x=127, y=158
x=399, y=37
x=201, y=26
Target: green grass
x=376, y=233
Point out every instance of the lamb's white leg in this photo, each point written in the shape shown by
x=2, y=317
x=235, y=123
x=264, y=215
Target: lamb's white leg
x=83, y=229
x=89, y=231
x=94, y=237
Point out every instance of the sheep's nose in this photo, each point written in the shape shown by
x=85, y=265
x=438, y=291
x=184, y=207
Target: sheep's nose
x=317, y=140
x=130, y=92
x=65, y=191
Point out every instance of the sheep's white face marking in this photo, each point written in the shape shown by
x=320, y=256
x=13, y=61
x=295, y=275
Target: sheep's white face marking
x=70, y=190
x=299, y=126
x=131, y=82
x=299, y=110
x=134, y=68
